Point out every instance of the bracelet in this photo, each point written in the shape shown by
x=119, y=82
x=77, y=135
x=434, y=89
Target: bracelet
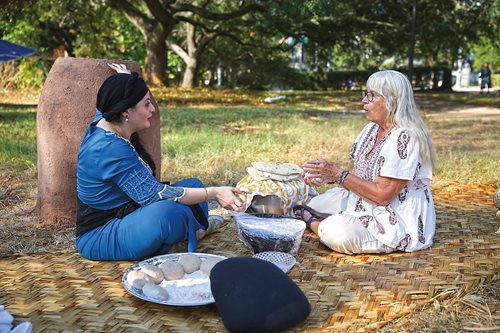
x=342, y=176
x=206, y=194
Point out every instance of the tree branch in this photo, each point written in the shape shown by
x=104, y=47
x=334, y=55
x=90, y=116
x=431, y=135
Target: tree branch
x=178, y=50
x=160, y=11
x=139, y=19
x=201, y=11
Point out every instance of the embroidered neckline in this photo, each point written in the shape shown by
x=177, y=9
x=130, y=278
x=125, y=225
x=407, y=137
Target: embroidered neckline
x=380, y=143
x=115, y=134
x=130, y=144
x=365, y=160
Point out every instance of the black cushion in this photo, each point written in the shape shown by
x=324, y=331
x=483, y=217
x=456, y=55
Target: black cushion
x=253, y=295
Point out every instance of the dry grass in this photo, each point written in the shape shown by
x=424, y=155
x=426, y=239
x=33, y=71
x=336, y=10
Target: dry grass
x=478, y=310
x=20, y=230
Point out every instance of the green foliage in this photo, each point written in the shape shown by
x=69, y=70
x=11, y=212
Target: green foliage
x=80, y=27
x=117, y=38
x=337, y=79
x=342, y=35
x=31, y=75
x=361, y=36
x=485, y=51
x=175, y=67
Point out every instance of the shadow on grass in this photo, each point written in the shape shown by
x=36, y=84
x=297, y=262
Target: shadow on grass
x=183, y=116
x=12, y=106
x=16, y=116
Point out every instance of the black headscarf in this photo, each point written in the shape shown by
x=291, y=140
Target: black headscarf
x=119, y=92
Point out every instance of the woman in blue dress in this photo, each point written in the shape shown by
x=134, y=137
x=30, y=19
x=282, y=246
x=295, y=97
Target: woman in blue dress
x=124, y=212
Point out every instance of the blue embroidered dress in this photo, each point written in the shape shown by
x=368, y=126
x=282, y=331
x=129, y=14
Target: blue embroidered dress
x=110, y=174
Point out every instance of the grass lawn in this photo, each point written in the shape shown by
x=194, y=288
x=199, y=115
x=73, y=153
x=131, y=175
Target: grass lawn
x=215, y=135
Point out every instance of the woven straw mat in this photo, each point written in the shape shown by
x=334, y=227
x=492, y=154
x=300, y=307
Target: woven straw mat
x=61, y=292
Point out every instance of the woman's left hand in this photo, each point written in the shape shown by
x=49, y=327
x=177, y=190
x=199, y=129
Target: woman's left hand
x=320, y=171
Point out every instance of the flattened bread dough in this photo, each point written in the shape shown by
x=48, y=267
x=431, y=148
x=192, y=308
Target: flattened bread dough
x=284, y=169
x=261, y=175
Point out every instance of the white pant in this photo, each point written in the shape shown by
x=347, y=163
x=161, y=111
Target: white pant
x=342, y=232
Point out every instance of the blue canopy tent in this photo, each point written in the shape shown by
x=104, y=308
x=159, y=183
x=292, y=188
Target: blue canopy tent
x=12, y=51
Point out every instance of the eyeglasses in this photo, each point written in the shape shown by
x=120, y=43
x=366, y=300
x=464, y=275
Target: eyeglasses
x=370, y=95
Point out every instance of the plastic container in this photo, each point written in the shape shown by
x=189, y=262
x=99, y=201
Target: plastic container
x=261, y=234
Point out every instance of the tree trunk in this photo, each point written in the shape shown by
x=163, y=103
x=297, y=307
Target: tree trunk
x=447, y=84
x=155, y=34
x=155, y=65
x=189, y=78
x=435, y=79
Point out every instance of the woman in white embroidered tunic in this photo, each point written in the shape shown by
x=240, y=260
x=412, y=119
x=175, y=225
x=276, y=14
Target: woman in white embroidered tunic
x=385, y=203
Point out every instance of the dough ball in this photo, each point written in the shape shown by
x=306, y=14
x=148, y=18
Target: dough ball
x=154, y=291
x=190, y=262
x=153, y=271
x=138, y=279
x=207, y=264
x=172, y=270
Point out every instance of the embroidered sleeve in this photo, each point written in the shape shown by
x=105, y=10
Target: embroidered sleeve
x=143, y=188
x=172, y=192
x=403, y=141
x=126, y=169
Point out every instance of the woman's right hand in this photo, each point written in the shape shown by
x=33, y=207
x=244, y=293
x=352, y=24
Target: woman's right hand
x=319, y=171
x=119, y=68
x=227, y=197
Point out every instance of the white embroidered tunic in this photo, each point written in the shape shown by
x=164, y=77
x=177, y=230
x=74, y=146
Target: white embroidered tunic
x=408, y=223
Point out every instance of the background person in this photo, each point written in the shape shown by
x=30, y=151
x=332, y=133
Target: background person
x=384, y=203
x=124, y=212
x=485, y=75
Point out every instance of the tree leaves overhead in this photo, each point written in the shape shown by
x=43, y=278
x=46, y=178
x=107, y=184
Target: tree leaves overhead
x=80, y=27
x=251, y=37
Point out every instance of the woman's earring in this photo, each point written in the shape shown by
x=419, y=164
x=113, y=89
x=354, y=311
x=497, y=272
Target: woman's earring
x=126, y=118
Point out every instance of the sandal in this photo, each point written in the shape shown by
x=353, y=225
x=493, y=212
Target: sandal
x=315, y=215
x=309, y=221
x=214, y=223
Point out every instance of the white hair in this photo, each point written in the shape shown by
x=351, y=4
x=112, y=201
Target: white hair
x=403, y=113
